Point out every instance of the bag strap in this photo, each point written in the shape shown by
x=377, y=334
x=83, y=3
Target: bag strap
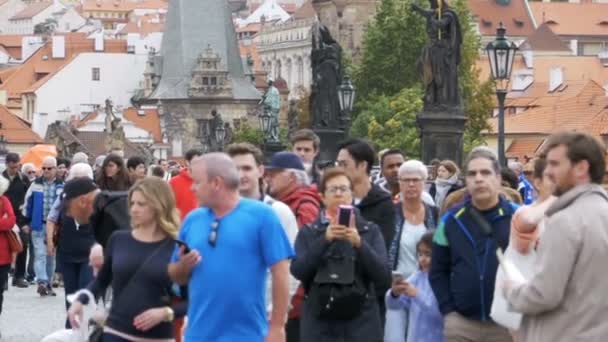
x=131, y=280
x=481, y=221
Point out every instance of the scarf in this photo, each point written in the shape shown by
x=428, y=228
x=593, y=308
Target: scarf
x=442, y=187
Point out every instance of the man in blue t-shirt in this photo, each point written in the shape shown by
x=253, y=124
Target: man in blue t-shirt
x=526, y=191
x=233, y=242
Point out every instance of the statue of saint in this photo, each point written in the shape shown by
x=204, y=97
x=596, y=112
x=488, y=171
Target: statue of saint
x=271, y=102
x=110, y=117
x=326, y=59
x=440, y=56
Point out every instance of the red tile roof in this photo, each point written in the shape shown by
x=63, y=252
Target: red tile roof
x=12, y=44
x=543, y=39
x=573, y=113
x=576, y=19
x=514, y=16
x=108, y=5
x=148, y=121
x=32, y=10
x=37, y=69
x=145, y=27
x=522, y=147
x=305, y=11
x=151, y=4
x=15, y=130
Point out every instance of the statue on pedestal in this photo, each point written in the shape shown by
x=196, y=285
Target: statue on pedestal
x=326, y=60
x=271, y=102
x=115, y=138
x=440, y=57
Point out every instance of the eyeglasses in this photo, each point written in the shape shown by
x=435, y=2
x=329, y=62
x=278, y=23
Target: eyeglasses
x=215, y=225
x=410, y=180
x=47, y=168
x=341, y=163
x=335, y=189
x=31, y=172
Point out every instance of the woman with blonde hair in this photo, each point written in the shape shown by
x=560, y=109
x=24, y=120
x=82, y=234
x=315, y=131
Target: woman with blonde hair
x=135, y=267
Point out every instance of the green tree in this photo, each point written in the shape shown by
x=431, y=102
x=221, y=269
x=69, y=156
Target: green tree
x=247, y=133
x=388, y=81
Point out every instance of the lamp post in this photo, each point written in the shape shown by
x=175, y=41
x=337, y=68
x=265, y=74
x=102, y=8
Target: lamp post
x=265, y=124
x=220, y=135
x=501, y=53
x=346, y=97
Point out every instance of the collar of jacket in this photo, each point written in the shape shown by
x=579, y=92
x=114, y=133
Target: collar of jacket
x=575, y=193
x=503, y=209
x=40, y=180
x=429, y=220
x=376, y=194
x=321, y=223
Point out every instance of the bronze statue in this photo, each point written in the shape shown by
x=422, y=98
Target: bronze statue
x=271, y=102
x=440, y=56
x=326, y=61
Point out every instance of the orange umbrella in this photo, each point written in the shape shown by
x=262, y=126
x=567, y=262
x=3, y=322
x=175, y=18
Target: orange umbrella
x=36, y=154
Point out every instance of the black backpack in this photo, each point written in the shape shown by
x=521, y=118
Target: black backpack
x=337, y=292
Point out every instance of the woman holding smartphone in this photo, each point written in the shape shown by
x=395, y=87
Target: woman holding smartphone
x=347, y=243
x=135, y=266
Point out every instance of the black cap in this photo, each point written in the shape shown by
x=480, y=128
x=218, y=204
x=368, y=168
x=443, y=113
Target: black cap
x=78, y=187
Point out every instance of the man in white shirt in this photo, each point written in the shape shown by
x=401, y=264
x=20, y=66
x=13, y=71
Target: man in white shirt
x=249, y=162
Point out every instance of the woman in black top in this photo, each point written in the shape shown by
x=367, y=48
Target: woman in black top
x=136, y=267
x=113, y=175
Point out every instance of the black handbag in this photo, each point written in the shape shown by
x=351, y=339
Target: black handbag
x=337, y=292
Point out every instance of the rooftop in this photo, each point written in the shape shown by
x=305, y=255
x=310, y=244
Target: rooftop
x=15, y=130
x=575, y=19
x=305, y=11
x=32, y=10
x=146, y=119
x=108, y=5
x=543, y=39
x=515, y=17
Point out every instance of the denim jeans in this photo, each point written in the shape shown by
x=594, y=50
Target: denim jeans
x=76, y=276
x=44, y=265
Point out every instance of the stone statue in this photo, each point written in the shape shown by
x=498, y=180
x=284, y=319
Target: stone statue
x=326, y=61
x=229, y=133
x=110, y=117
x=271, y=102
x=216, y=121
x=293, y=117
x=440, y=57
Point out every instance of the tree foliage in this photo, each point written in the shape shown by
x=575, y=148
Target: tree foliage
x=388, y=84
x=247, y=133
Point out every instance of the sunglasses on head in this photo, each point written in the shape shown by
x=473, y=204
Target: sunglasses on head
x=215, y=225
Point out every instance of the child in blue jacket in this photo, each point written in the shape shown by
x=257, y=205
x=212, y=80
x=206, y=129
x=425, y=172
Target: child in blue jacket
x=416, y=296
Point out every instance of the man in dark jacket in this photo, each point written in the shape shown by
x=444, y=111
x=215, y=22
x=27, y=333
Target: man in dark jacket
x=106, y=211
x=17, y=189
x=464, y=263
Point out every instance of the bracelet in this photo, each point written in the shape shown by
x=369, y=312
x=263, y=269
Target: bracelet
x=170, y=314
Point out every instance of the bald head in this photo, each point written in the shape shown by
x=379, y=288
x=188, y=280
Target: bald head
x=217, y=165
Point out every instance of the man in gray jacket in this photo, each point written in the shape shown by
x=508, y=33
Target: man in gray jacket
x=565, y=300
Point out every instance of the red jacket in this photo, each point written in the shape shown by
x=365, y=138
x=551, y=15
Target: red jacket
x=185, y=199
x=7, y=221
x=305, y=203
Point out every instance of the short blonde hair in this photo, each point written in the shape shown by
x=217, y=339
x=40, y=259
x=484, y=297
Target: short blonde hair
x=160, y=197
x=414, y=166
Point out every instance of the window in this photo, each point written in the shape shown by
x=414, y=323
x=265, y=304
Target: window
x=591, y=49
x=95, y=74
x=201, y=128
x=213, y=81
x=205, y=81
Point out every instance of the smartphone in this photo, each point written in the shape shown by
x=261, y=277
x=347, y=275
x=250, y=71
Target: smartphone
x=344, y=213
x=182, y=243
x=397, y=277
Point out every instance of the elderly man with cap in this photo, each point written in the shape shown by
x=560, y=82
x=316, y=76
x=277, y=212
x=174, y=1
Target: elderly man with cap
x=105, y=211
x=289, y=183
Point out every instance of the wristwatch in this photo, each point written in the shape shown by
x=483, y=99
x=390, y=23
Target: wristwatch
x=170, y=314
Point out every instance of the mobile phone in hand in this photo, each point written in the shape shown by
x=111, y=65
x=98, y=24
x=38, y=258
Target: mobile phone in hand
x=397, y=277
x=344, y=214
x=182, y=243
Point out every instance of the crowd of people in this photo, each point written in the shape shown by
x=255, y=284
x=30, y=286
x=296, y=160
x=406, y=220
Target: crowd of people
x=228, y=247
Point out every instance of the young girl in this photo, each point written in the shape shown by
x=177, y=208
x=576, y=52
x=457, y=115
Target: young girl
x=415, y=294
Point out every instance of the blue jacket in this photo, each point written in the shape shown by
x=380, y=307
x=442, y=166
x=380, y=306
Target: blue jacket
x=33, y=209
x=464, y=262
x=430, y=222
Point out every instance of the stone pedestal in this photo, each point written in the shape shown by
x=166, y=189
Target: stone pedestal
x=270, y=148
x=441, y=134
x=330, y=138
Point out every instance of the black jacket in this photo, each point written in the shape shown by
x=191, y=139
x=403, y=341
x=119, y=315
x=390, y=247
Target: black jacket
x=372, y=267
x=378, y=208
x=16, y=195
x=111, y=213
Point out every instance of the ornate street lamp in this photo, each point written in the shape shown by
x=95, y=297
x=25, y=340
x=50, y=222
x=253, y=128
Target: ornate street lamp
x=220, y=135
x=265, y=124
x=346, y=95
x=3, y=150
x=501, y=54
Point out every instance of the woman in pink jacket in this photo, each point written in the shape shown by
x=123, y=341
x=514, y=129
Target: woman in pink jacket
x=7, y=221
